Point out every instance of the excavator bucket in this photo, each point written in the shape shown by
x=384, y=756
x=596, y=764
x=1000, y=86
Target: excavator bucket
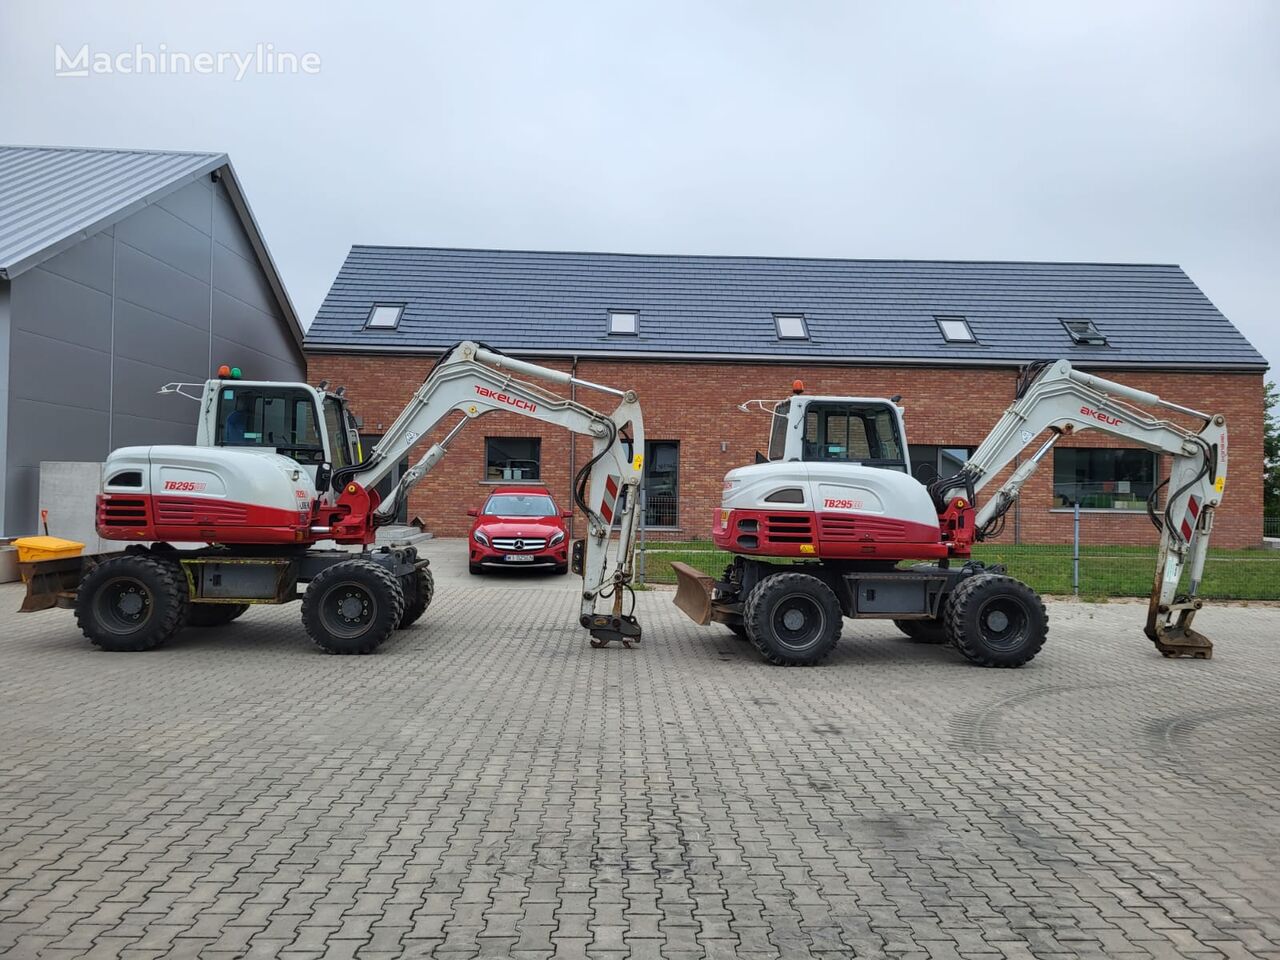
x=1175, y=638
x=693, y=592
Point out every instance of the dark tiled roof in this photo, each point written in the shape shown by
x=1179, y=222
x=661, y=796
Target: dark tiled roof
x=692, y=306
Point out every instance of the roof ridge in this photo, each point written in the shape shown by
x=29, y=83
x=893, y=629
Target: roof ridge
x=761, y=257
x=138, y=150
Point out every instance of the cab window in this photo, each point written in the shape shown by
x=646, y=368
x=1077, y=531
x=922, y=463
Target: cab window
x=778, y=431
x=852, y=433
x=276, y=418
x=335, y=425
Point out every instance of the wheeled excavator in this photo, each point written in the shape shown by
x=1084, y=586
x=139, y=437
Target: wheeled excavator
x=819, y=530
x=277, y=493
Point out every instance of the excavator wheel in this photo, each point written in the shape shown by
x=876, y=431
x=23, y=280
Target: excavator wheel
x=132, y=602
x=923, y=631
x=739, y=630
x=996, y=621
x=214, y=614
x=352, y=607
x=418, y=587
x=793, y=619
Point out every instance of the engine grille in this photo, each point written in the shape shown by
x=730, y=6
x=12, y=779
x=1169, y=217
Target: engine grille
x=519, y=544
x=180, y=510
x=123, y=512
x=838, y=529
x=788, y=528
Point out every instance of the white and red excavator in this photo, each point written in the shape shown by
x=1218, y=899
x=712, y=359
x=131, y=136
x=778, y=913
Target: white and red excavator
x=819, y=531
x=276, y=493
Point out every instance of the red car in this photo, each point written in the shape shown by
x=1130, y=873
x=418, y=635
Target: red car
x=519, y=527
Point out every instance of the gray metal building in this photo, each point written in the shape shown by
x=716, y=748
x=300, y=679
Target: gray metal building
x=121, y=271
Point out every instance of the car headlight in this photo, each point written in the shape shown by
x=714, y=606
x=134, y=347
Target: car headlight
x=480, y=538
x=556, y=538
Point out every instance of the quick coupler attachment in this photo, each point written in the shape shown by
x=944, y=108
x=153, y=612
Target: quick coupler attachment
x=1174, y=637
x=606, y=627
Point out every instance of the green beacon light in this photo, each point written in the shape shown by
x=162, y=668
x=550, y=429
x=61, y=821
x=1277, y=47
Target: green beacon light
x=235, y=373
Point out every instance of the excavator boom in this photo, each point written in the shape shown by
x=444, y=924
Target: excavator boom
x=1062, y=400
x=472, y=380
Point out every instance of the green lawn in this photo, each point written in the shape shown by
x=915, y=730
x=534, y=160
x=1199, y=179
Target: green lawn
x=1104, y=571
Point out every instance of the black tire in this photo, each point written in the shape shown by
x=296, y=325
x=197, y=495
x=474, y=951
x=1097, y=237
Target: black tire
x=996, y=621
x=923, y=631
x=418, y=588
x=793, y=619
x=352, y=607
x=475, y=569
x=213, y=614
x=131, y=603
x=738, y=630
x=561, y=571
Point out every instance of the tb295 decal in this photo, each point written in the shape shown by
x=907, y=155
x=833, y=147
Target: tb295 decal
x=832, y=504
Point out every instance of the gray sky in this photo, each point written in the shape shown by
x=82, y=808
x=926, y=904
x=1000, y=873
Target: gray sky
x=1145, y=132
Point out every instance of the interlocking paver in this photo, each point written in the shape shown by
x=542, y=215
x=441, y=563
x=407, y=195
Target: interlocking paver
x=488, y=785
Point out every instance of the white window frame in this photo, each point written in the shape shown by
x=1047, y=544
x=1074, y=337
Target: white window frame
x=946, y=326
x=631, y=317
x=374, y=313
x=781, y=319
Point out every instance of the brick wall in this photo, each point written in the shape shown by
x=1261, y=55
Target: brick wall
x=696, y=404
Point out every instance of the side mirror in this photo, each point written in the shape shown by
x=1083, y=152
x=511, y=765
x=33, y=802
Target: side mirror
x=324, y=475
x=473, y=512
x=566, y=514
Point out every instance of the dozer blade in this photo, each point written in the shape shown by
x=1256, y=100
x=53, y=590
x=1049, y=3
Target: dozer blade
x=693, y=592
x=1177, y=639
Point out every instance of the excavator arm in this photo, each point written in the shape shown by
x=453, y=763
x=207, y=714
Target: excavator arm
x=1056, y=397
x=473, y=380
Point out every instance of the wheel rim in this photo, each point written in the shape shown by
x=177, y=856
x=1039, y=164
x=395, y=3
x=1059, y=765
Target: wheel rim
x=124, y=605
x=798, y=621
x=348, y=609
x=1004, y=623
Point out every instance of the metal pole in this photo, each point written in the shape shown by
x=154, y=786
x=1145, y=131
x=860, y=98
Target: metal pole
x=1075, y=553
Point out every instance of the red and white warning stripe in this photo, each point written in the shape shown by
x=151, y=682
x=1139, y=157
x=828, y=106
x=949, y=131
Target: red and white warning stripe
x=611, y=487
x=1189, y=519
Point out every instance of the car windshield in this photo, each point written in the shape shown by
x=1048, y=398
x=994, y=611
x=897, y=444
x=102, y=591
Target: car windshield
x=520, y=505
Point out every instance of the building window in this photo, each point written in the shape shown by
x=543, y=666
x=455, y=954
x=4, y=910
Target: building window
x=385, y=316
x=929, y=462
x=1085, y=333
x=624, y=323
x=1103, y=479
x=955, y=330
x=662, y=483
x=515, y=459
x=791, y=326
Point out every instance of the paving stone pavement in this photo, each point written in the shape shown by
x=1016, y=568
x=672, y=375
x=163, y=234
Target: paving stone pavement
x=489, y=785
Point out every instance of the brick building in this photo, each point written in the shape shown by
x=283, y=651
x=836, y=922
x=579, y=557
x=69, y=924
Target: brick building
x=697, y=336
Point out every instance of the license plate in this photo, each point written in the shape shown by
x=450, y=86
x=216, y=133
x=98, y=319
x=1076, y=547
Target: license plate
x=519, y=558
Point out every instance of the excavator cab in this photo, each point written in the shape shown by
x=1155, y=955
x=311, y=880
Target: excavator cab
x=305, y=424
x=861, y=430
